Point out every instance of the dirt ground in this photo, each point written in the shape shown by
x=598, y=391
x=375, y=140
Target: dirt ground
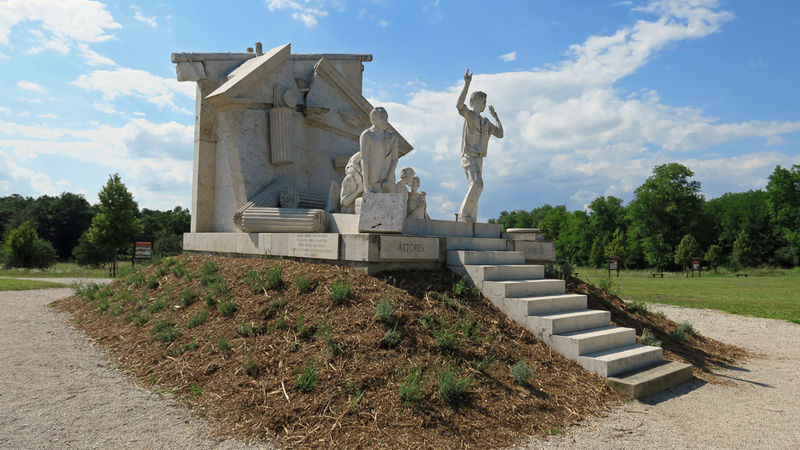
x=59, y=389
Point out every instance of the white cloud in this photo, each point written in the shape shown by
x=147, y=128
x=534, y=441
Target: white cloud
x=61, y=24
x=308, y=11
x=508, y=57
x=383, y=23
x=137, y=83
x=29, y=86
x=146, y=20
x=568, y=127
x=39, y=182
x=5, y=110
x=3, y=55
x=105, y=107
x=154, y=158
x=93, y=58
x=47, y=116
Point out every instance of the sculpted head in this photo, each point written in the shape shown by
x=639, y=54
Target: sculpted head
x=379, y=117
x=415, y=183
x=353, y=165
x=407, y=175
x=478, y=101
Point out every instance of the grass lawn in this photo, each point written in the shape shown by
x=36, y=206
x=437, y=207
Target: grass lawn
x=59, y=270
x=10, y=284
x=773, y=294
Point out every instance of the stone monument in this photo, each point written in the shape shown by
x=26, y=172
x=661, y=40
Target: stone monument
x=474, y=143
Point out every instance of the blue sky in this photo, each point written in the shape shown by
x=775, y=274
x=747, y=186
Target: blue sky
x=592, y=94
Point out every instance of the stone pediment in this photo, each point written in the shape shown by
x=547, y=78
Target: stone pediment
x=328, y=83
x=244, y=77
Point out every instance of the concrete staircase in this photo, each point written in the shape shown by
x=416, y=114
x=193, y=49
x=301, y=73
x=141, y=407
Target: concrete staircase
x=563, y=320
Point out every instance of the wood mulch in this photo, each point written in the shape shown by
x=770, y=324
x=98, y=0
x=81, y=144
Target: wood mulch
x=355, y=401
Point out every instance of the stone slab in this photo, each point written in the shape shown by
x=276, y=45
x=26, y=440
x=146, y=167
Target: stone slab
x=536, y=250
x=652, y=379
x=409, y=248
x=313, y=245
x=343, y=223
x=487, y=230
x=382, y=213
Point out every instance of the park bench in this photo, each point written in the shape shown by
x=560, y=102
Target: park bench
x=658, y=274
x=741, y=275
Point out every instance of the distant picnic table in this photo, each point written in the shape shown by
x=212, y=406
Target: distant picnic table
x=657, y=274
x=741, y=275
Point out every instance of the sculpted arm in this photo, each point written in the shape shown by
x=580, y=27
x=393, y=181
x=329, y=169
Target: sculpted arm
x=498, y=129
x=462, y=107
x=389, y=175
x=366, y=162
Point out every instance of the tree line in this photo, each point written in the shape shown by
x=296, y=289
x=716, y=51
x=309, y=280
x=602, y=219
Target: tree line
x=38, y=231
x=669, y=221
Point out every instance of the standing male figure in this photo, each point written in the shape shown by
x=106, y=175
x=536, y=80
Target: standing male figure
x=474, y=143
x=378, y=154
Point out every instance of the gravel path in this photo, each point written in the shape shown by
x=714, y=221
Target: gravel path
x=761, y=409
x=58, y=389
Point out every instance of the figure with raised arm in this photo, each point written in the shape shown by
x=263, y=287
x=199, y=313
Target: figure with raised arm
x=378, y=154
x=474, y=142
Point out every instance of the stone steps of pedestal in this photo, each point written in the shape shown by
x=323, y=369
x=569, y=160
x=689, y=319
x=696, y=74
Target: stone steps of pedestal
x=619, y=360
x=496, y=290
x=581, y=342
x=651, y=379
x=486, y=257
x=466, y=243
x=563, y=321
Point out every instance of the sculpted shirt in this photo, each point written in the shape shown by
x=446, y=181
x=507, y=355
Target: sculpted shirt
x=477, y=130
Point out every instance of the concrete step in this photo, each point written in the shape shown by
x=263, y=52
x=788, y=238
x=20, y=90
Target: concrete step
x=578, y=343
x=619, y=360
x=523, y=307
x=480, y=273
x=487, y=257
x=465, y=243
x=546, y=325
x=522, y=288
x=651, y=379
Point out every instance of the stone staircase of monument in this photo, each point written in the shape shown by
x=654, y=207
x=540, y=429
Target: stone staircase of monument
x=562, y=320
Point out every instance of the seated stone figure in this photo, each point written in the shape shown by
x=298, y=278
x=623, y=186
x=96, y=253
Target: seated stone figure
x=352, y=185
x=417, y=205
x=378, y=146
x=406, y=177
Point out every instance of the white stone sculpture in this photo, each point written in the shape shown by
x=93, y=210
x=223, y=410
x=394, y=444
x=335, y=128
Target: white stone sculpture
x=474, y=142
x=378, y=145
x=417, y=205
x=352, y=185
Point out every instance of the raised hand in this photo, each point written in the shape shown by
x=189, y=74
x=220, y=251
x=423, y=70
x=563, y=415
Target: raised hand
x=492, y=111
x=467, y=76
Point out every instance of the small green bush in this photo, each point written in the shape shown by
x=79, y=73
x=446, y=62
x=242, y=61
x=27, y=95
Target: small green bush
x=164, y=331
x=138, y=318
x=253, y=280
x=324, y=331
x=178, y=270
x=209, y=268
x=276, y=306
x=355, y=393
x=686, y=327
x=637, y=307
x=181, y=349
x=464, y=291
x=427, y=322
x=273, y=278
x=188, y=296
x=520, y=372
x=605, y=284
x=340, y=291
x=306, y=380
x=195, y=390
x=24, y=248
x=451, y=388
x=136, y=279
x=677, y=336
x=303, y=331
x=251, y=368
x=152, y=283
x=197, y=319
x=158, y=305
x=411, y=389
x=303, y=283
x=281, y=324
x=86, y=290
x=648, y=338
x=162, y=271
x=392, y=338
x=223, y=344
x=247, y=330
x=210, y=302
x=226, y=308
x=384, y=312
x=447, y=337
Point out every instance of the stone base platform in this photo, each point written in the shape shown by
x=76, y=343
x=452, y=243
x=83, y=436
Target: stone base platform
x=423, y=244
